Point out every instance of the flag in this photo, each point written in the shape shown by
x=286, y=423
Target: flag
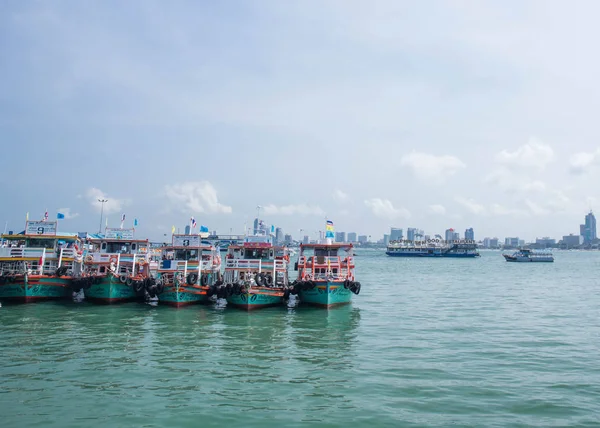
x=45, y=216
x=123, y=217
x=173, y=229
x=193, y=222
x=329, y=229
x=135, y=222
x=203, y=229
x=60, y=215
x=27, y=216
x=272, y=229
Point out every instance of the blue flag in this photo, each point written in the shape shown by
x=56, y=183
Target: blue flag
x=60, y=215
x=272, y=229
x=135, y=223
x=203, y=229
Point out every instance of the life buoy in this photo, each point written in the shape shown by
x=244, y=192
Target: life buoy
x=216, y=261
x=89, y=258
x=141, y=262
x=113, y=259
x=268, y=280
x=286, y=258
x=259, y=278
x=192, y=278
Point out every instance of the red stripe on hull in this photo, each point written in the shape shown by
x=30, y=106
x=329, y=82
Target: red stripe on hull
x=180, y=304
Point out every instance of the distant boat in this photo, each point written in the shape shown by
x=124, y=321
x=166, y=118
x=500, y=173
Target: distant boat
x=525, y=255
x=433, y=248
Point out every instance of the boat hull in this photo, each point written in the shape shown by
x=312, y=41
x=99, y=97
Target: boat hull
x=33, y=288
x=253, y=301
x=110, y=290
x=183, y=295
x=448, y=255
x=326, y=295
x=514, y=259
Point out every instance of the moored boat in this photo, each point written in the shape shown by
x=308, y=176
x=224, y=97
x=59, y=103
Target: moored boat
x=326, y=274
x=116, y=268
x=526, y=255
x=256, y=274
x=433, y=248
x=187, y=270
x=38, y=264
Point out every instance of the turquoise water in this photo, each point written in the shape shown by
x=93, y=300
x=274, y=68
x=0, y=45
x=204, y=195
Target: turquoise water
x=427, y=343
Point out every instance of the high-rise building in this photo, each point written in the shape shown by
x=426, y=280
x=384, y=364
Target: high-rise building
x=411, y=234
x=588, y=229
x=340, y=236
x=511, y=242
x=571, y=241
x=362, y=239
x=470, y=234
x=352, y=237
x=386, y=240
x=396, y=234
x=287, y=239
x=279, y=235
x=256, y=224
x=306, y=239
x=187, y=229
x=451, y=235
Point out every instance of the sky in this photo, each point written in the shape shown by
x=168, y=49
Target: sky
x=429, y=114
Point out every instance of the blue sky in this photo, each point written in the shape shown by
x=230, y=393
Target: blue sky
x=376, y=114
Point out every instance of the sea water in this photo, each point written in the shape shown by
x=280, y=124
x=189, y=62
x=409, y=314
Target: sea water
x=428, y=342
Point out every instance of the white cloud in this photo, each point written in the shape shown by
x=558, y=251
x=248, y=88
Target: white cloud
x=112, y=205
x=301, y=209
x=384, y=208
x=534, y=154
x=340, y=196
x=431, y=168
x=501, y=210
x=535, y=208
x=510, y=181
x=437, y=209
x=195, y=197
x=471, y=205
x=582, y=161
x=67, y=213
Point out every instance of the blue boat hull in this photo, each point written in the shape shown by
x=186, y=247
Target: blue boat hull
x=326, y=294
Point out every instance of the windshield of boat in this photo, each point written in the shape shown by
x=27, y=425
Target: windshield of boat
x=120, y=247
x=256, y=253
x=186, y=254
x=40, y=243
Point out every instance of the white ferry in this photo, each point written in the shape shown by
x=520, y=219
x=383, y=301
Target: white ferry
x=433, y=248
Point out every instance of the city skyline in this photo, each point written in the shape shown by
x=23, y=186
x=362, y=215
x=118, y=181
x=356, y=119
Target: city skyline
x=474, y=133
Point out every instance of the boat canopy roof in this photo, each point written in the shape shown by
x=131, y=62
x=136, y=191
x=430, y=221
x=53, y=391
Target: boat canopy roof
x=65, y=236
x=337, y=245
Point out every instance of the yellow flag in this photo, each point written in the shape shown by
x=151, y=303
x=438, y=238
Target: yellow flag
x=173, y=229
x=27, y=216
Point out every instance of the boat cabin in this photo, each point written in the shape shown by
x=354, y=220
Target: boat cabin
x=326, y=262
x=187, y=254
x=40, y=250
x=258, y=260
x=118, y=251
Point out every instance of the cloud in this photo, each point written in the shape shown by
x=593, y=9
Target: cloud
x=112, y=205
x=536, y=209
x=300, y=209
x=501, y=210
x=340, y=196
x=437, y=209
x=384, y=208
x=509, y=181
x=534, y=154
x=67, y=213
x=431, y=168
x=583, y=161
x=195, y=197
x=471, y=205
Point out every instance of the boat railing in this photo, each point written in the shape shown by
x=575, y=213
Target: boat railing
x=25, y=253
x=255, y=264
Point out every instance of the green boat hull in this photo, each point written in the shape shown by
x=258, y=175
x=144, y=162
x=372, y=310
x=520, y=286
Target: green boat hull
x=183, y=295
x=110, y=290
x=252, y=301
x=33, y=288
x=326, y=294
